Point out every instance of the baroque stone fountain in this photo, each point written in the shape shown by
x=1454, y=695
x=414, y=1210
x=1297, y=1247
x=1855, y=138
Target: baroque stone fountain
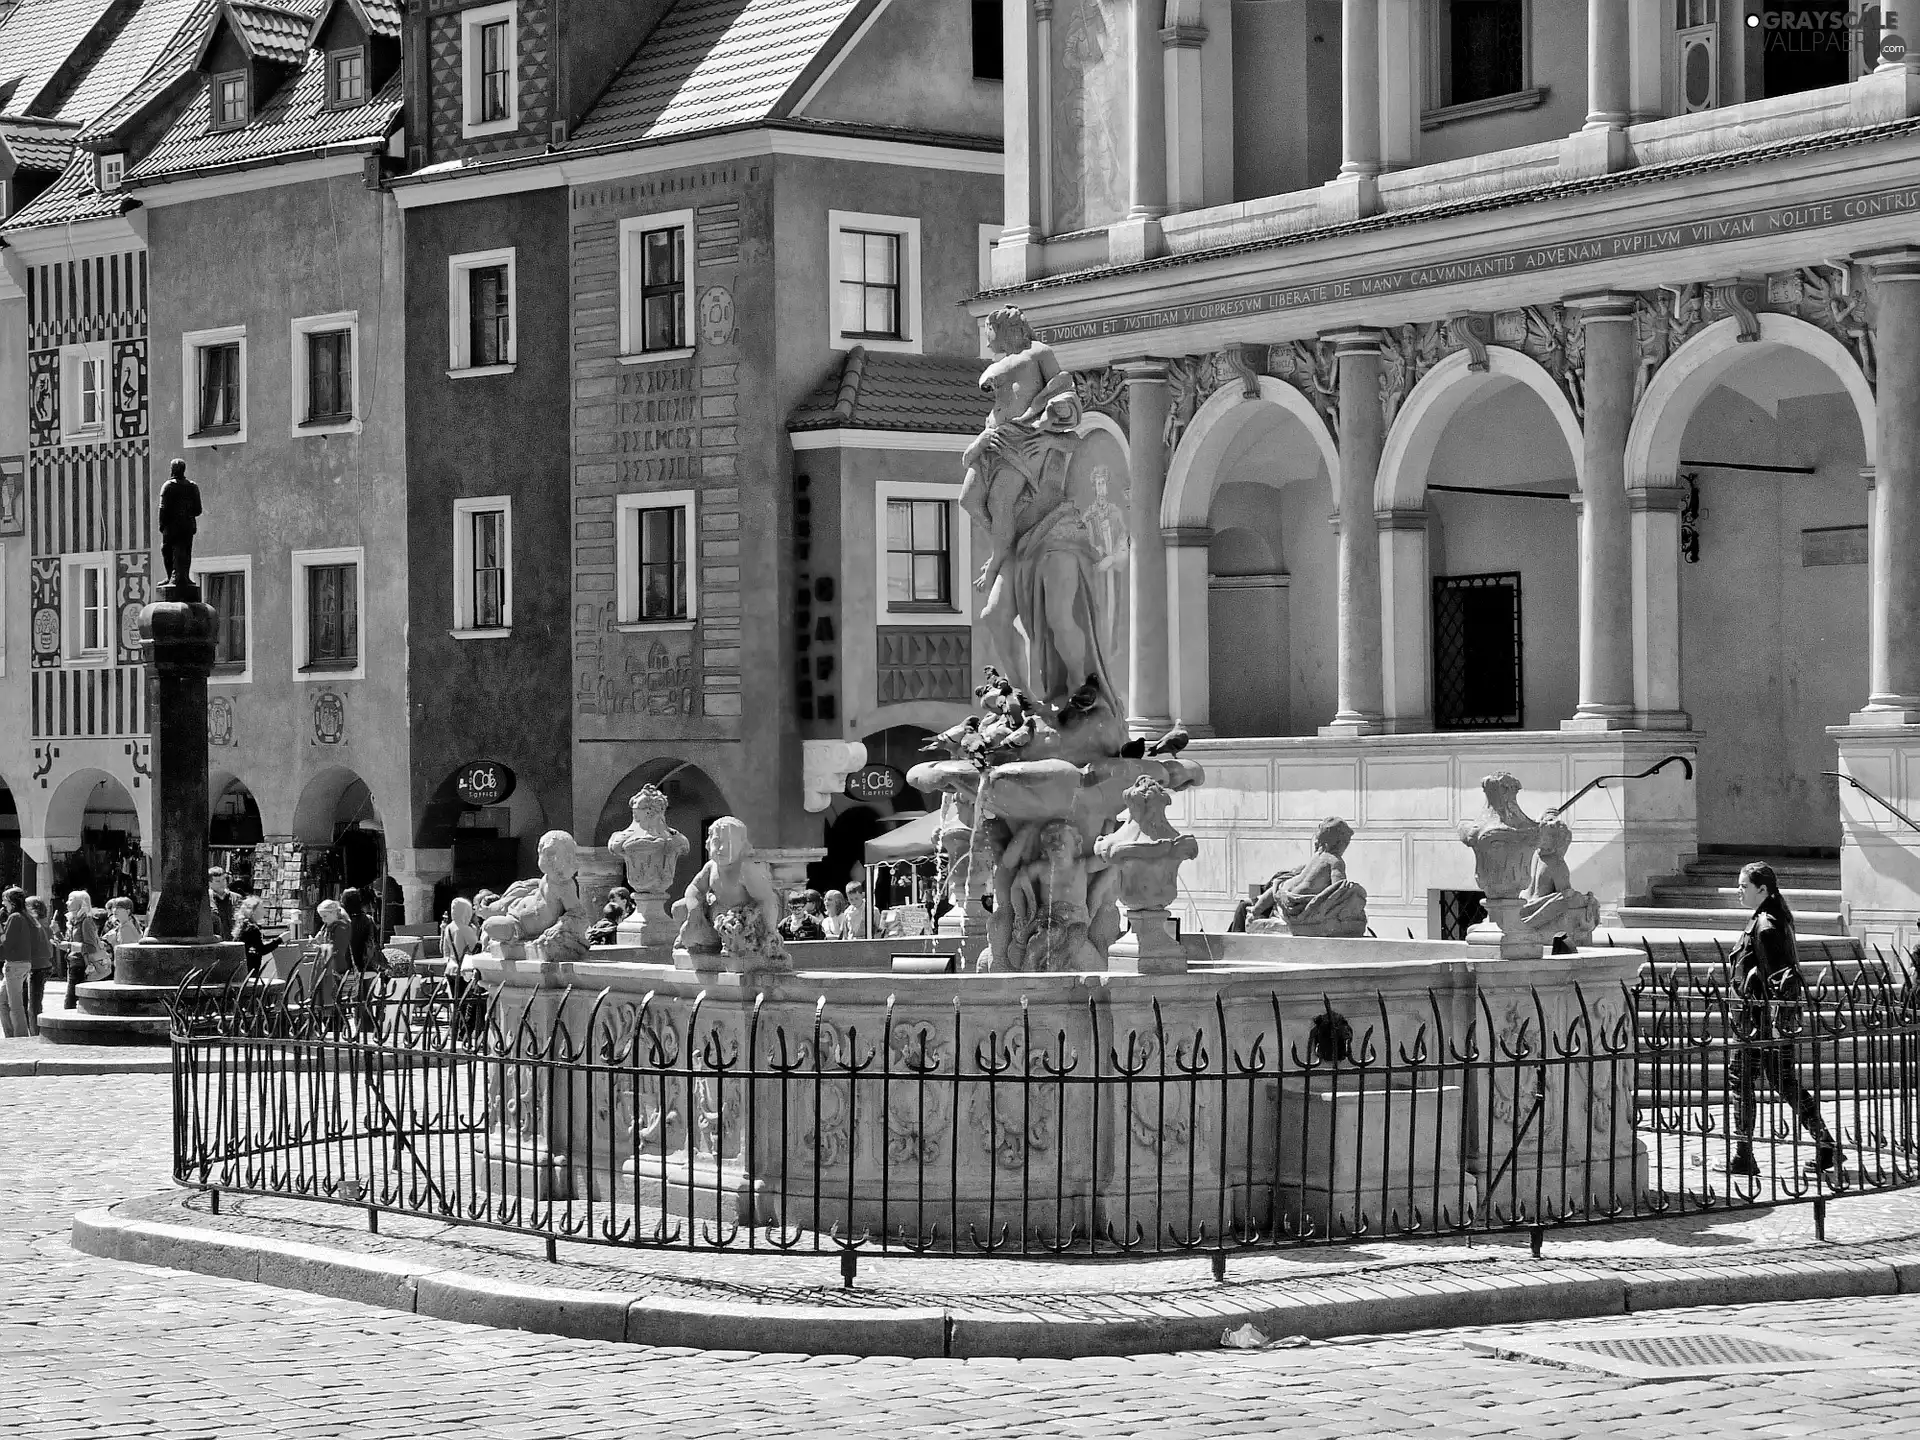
x=1064, y=868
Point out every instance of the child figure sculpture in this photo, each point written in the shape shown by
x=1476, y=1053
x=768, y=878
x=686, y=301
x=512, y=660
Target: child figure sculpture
x=1318, y=899
x=730, y=907
x=1550, y=906
x=547, y=909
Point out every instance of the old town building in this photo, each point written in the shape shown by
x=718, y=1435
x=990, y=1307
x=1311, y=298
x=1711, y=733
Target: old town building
x=615, y=316
x=1591, y=328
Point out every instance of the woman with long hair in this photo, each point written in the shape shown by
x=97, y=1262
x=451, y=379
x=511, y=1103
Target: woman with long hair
x=16, y=963
x=1769, y=992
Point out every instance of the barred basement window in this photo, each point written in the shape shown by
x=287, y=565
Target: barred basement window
x=1477, y=673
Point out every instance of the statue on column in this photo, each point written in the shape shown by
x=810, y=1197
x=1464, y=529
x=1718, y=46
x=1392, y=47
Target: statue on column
x=1042, y=614
x=178, y=523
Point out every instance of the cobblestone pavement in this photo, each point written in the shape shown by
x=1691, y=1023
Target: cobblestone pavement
x=94, y=1348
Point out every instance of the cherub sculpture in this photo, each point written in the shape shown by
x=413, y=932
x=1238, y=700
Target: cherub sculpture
x=730, y=907
x=1550, y=906
x=548, y=909
x=1317, y=899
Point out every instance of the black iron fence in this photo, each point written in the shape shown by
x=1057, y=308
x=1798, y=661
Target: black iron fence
x=1220, y=1125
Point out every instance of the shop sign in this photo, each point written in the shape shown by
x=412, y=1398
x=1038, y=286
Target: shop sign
x=875, y=782
x=484, y=782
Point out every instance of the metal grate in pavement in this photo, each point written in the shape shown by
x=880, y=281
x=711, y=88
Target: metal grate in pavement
x=1697, y=1351
x=1689, y=1352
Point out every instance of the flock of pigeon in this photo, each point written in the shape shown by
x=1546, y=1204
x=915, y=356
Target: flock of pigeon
x=1013, y=720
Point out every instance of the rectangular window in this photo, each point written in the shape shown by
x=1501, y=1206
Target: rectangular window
x=489, y=316
x=496, y=73
x=346, y=78
x=230, y=99
x=218, y=380
x=1477, y=674
x=333, y=617
x=482, y=567
x=662, y=263
x=869, y=285
x=1486, y=49
x=989, y=47
x=660, y=551
x=226, y=592
x=329, y=375
x=96, y=610
x=93, y=392
x=919, y=555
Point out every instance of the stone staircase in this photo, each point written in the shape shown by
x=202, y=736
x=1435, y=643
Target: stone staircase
x=1706, y=896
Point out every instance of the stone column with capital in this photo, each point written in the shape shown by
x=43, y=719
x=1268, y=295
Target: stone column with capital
x=1894, y=660
x=1148, y=703
x=1606, y=528
x=1362, y=432
x=1138, y=237
x=1188, y=625
x=1654, y=538
x=1186, y=116
x=1406, y=621
x=417, y=872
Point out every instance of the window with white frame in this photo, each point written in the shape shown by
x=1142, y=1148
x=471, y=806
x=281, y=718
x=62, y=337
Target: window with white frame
x=924, y=553
x=329, y=592
x=88, y=592
x=654, y=556
x=213, y=370
x=481, y=326
x=84, y=389
x=1479, y=51
x=489, y=40
x=325, y=390
x=874, y=263
x=226, y=584
x=482, y=566
x=656, y=286
x=113, y=168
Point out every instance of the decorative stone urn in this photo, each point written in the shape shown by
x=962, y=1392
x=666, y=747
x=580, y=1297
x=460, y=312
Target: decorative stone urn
x=1147, y=853
x=651, y=850
x=1503, y=841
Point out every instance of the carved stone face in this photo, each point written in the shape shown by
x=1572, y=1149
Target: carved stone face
x=1101, y=479
x=727, y=841
x=559, y=856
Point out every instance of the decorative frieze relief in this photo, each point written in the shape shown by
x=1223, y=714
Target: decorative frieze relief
x=1311, y=368
x=1104, y=390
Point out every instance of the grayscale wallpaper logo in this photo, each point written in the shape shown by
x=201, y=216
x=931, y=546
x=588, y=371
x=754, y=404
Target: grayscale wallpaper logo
x=1827, y=29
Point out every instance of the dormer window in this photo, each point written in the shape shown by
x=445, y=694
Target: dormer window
x=112, y=167
x=346, y=78
x=230, y=100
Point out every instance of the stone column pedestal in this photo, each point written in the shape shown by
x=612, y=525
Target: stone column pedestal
x=600, y=870
x=788, y=866
x=176, y=643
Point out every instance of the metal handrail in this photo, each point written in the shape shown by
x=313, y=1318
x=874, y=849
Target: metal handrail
x=1599, y=781
x=1872, y=794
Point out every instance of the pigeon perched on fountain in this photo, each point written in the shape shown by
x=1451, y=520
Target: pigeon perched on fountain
x=1171, y=743
x=954, y=741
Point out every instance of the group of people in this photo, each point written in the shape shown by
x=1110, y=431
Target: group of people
x=35, y=941
x=836, y=915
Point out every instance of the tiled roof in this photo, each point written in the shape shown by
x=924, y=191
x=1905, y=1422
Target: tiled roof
x=382, y=16
x=124, y=63
x=710, y=64
x=69, y=200
x=294, y=120
x=174, y=61
x=36, y=38
x=37, y=144
x=272, y=33
x=884, y=391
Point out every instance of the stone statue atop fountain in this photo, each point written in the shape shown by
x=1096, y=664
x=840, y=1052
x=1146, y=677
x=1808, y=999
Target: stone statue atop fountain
x=1146, y=853
x=730, y=908
x=651, y=850
x=1317, y=899
x=1503, y=841
x=1551, y=907
x=1042, y=614
x=547, y=909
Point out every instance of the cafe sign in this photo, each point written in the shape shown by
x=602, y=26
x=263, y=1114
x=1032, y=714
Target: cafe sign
x=485, y=782
x=875, y=782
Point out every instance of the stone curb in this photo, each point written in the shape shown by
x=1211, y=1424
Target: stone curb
x=161, y=1064
x=1348, y=1305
